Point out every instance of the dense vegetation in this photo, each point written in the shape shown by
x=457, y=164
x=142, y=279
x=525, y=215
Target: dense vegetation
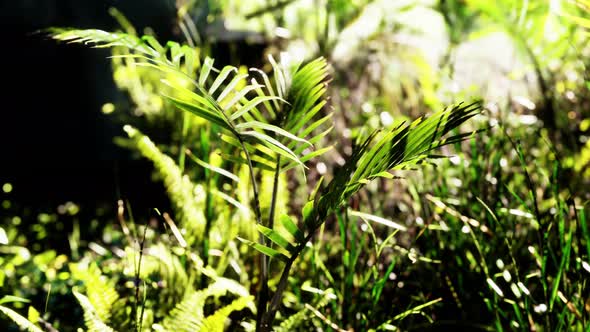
x=378, y=166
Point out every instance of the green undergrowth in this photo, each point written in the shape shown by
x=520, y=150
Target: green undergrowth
x=329, y=188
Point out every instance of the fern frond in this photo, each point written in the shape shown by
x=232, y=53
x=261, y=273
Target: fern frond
x=294, y=322
x=216, y=322
x=189, y=314
x=92, y=318
x=160, y=264
x=100, y=291
x=188, y=209
x=20, y=320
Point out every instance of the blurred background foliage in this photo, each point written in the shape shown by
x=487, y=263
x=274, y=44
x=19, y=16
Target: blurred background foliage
x=493, y=238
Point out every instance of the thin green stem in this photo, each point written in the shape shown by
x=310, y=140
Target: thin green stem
x=542, y=233
x=136, y=282
x=208, y=220
x=275, y=187
x=345, y=270
x=271, y=218
x=269, y=316
x=263, y=289
x=181, y=155
x=326, y=32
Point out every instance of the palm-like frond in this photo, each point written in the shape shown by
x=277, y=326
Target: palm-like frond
x=241, y=117
x=129, y=52
x=270, y=125
x=173, y=54
x=405, y=146
x=304, y=90
x=286, y=247
x=228, y=108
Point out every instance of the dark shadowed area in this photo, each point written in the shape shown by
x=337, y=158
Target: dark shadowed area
x=56, y=144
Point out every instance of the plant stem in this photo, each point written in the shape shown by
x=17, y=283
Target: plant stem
x=137, y=324
x=263, y=289
x=269, y=316
x=263, y=298
x=345, y=271
x=181, y=155
x=275, y=187
x=208, y=219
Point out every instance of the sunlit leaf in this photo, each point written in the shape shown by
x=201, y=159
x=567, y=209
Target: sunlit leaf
x=307, y=210
x=291, y=227
x=21, y=321
x=275, y=129
x=3, y=236
x=265, y=250
x=201, y=112
x=379, y=220
x=12, y=298
x=276, y=238
x=274, y=145
x=215, y=169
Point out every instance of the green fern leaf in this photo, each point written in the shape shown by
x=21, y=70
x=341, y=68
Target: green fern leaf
x=181, y=190
x=216, y=322
x=189, y=314
x=304, y=90
x=20, y=320
x=91, y=317
x=100, y=291
x=230, y=107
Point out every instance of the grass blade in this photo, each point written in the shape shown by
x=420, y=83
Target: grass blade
x=379, y=220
